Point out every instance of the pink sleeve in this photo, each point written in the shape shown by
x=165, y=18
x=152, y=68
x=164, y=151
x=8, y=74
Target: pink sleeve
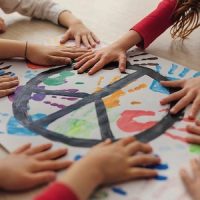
x=156, y=22
x=57, y=191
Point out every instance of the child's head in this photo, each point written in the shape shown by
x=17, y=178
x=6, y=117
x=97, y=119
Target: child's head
x=186, y=18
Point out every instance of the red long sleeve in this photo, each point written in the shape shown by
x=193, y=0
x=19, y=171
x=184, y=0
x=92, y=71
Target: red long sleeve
x=156, y=22
x=57, y=191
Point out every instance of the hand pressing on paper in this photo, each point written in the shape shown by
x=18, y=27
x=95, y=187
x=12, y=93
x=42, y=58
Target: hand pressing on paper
x=28, y=167
x=192, y=180
x=189, y=93
x=8, y=85
x=52, y=55
x=77, y=31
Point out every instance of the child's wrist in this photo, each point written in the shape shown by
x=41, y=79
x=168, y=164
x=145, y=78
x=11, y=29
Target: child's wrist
x=66, y=18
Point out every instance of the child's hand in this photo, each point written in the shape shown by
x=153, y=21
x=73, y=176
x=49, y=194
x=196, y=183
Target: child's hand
x=81, y=34
x=98, y=59
x=122, y=161
x=195, y=130
x=53, y=55
x=109, y=163
x=192, y=183
x=189, y=92
x=29, y=167
x=8, y=85
x=2, y=26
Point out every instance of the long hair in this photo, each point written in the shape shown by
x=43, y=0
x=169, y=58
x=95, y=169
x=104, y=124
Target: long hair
x=186, y=18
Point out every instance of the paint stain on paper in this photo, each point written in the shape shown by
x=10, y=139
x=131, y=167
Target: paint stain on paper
x=59, y=79
x=127, y=122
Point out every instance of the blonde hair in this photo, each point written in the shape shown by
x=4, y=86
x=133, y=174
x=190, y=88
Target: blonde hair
x=186, y=18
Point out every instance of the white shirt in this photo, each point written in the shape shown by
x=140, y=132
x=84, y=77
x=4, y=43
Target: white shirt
x=41, y=9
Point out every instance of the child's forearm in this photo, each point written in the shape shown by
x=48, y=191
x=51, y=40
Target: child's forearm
x=83, y=178
x=128, y=40
x=66, y=19
x=12, y=48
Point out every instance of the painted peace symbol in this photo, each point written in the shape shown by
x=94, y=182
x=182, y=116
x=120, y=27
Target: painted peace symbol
x=20, y=107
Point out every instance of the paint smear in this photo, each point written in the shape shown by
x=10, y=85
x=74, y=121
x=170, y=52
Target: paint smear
x=59, y=80
x=195, y=148
x=119, y=191
x=77, y=157
x=114, y=79
x=76, y=128
x=159, y=167
x=139, y=87
x=175, y=137
x=161, y=178
x=15, y=128
x=113, y=100
x=99, y=88
x=79, y=83
x=135, y=102
x=33, y=66
x=128, y=123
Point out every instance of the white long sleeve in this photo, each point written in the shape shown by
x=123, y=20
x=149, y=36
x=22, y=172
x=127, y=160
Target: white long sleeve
x=41, y=9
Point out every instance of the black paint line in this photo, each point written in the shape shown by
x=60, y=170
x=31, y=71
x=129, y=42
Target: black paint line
x=6, y=74
x=141, y=54
x=1, y=63
x=150, y=58
x=108, y=90
x=20, y=109
x=103, y=120
x=60, y=93
x=160, y=128
x=5, y=67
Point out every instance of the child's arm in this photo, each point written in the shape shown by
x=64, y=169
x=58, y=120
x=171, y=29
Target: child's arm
x=52, y=11
x=29, y=167
x=39, y=54
x=189, y=93
x=105, y=164
x=192, y=182
x=142, y=34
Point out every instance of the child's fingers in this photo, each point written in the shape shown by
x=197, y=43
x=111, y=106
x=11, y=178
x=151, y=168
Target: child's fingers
x=84, y=56
x=85, y=41
x=38, y=149
x=195, y=168
x=91, y=40
x=99, y=65
x=22, y=149
x=195, y=108
x=193, y=129
x=52, y=165
x=95, y=38
x=54, y=60
x=183, y=102
x=125, y=141
x=50, y=155
x=7, y=79
x=173, y=97
x=91, y=61
x=144, y=160
x=7, y=92
x=40, y=178
x=8, y=85
x=136, y=147
x=187, y=180
x=84, y=61
x=65, y=37
x=177, y=83
x=137, y=173
x=64, y=54
x=122, y=63
x=193, y=140
x=78, y=40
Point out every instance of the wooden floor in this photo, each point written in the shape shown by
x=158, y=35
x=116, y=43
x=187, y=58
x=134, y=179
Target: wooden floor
x=109, y=19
